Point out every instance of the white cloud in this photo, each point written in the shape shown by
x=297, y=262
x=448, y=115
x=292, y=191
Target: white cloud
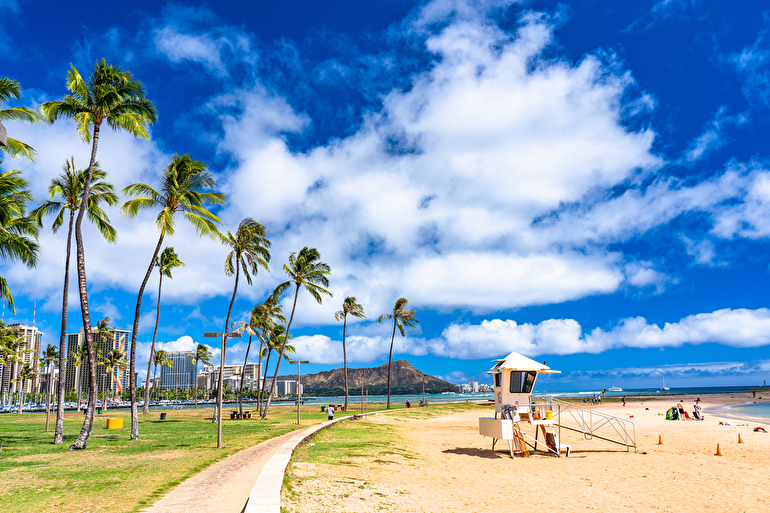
x=713, y=136
x=494, y=338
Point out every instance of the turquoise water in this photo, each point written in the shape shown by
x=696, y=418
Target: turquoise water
x=748, y=410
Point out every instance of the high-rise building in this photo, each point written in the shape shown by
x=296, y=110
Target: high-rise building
x=232, y=376
x=31, y=347
x=181, y=374
x=77, y=377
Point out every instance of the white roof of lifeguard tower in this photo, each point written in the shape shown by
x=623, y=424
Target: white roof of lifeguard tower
x=520, y=362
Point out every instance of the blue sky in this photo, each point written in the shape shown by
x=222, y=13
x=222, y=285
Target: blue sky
x=583, y=182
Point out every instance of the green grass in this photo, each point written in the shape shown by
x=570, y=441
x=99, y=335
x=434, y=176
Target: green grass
x=115, y=474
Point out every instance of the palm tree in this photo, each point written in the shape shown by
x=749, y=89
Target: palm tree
x=182, y=190
x=12, y=352
x=250, y=250
x=68, y=186
x=401, y=316
x=202, y=354
x=277, y=340
x=351, y=307
x=79, y=358
x=264, y=318
x=114, y=97
x=167, y=261
x=11, y=89
x=105, y=332
x=49, y=355
x=17, y=230
x=162, y=359
x=304, y=270
x=26, y=373
x=115, y=358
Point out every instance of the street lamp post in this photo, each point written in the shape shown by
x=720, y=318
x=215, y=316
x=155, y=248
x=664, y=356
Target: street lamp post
x=299, y=386
x=218, y=407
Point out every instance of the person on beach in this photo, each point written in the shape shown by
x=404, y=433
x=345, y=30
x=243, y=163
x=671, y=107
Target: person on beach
x=330, y=412
x=680, y=407
x=624, y=401
x=697, y=411
x=408, y=404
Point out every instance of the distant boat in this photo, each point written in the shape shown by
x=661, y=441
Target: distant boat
x=615, y=389
x=664, y=387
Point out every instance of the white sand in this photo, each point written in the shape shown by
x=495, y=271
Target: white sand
x=453, y=469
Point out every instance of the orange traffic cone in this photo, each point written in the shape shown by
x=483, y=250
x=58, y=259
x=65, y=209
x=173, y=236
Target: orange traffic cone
x=719, y=451
x=660, y=440
x=740, y=440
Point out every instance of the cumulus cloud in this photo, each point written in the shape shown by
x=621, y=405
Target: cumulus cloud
x=503, y=176
x=736, y=328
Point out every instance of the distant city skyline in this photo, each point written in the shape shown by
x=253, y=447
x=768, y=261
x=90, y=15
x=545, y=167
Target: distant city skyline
x=583, y=182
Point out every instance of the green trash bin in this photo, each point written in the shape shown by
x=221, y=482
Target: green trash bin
x=323, y=409
x=163, y=416
x=99, y=411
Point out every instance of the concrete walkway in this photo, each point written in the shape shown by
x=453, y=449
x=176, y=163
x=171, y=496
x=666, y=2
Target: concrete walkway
x=227, y=485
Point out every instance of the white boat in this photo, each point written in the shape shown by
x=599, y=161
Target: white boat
x=615, y=389
x=664, y=387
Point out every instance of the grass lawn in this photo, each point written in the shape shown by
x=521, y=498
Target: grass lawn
x=115, y=474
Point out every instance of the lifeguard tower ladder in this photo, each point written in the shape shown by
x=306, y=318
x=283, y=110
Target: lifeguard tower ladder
x=514, y=378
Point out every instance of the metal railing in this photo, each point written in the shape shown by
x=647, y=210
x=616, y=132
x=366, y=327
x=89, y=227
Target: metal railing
x=595, y=424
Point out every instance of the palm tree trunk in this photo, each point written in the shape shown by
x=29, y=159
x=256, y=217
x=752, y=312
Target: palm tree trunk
x=48, y=397
x=21, y=395
x=81, y=442
x=243, y=375
x=260, y=386
x=222, y=361
x=345, y=360
x=134, y=336
x=58, y=436
x=146, y=409
x=390, y=357
x=264, y=380
x=280, y=354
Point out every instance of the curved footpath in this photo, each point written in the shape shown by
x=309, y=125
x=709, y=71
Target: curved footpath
x=249, y=481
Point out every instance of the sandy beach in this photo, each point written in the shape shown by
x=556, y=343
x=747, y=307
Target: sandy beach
x=453, y=469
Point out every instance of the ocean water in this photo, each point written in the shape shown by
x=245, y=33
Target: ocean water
x=760, y=411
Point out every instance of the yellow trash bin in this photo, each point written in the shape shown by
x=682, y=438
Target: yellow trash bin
x=114, y=423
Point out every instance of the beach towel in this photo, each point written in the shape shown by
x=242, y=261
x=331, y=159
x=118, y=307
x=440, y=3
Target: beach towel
x=760, y=430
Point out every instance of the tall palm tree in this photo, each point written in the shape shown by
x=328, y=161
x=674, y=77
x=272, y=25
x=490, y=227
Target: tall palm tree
x=401, y=316
x=111, y=96
x=162, y=359
x=26, y=373
x=11, y=89
x=49, y=356
x=167, y=261
x=114, y=359
x=305, y=270
x=202, y=354
x=250, y=250
x=349, y=307
x=17, y=230
x=68, y=186
x=105, y=332
x=182, y=189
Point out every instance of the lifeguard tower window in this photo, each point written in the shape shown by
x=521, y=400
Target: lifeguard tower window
x=522, y=382
x=498, y=379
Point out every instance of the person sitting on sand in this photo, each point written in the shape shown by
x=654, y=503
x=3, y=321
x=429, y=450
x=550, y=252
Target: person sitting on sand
x=697, y=411
x=680, y=407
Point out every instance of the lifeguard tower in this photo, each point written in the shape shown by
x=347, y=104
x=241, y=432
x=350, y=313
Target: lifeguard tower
x=514, y=379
